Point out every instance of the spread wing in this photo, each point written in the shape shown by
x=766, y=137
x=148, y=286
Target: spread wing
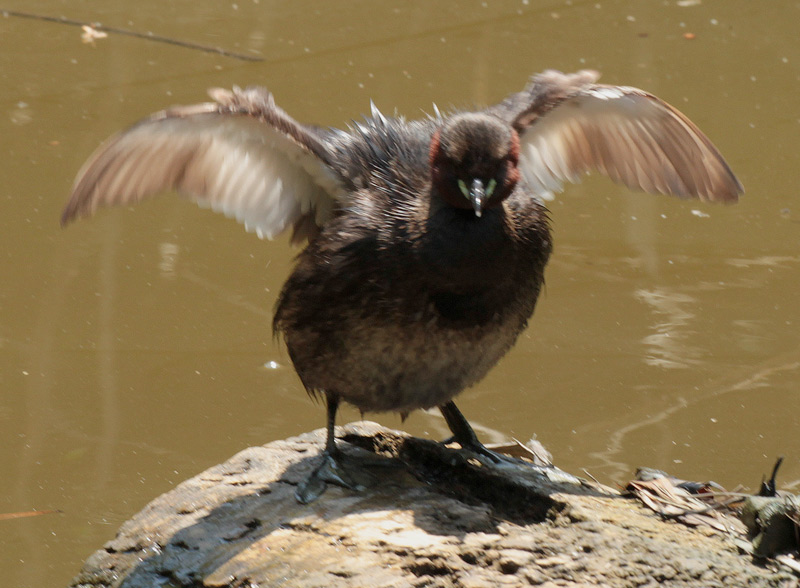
x=569, y=126
x=240, y=155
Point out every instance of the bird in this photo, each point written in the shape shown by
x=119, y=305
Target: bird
x=424, y=241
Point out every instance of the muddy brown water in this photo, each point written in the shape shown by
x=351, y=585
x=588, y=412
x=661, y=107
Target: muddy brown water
x=135, y=348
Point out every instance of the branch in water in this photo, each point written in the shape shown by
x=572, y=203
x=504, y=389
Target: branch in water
x=149, y=36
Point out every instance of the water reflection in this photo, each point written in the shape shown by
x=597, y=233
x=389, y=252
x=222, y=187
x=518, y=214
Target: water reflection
x=765, y=261
x=662, y=423
x=667, y=346
x=168, y=253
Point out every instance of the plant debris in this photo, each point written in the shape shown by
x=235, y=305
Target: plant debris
x=765, y=525
x=692, y=503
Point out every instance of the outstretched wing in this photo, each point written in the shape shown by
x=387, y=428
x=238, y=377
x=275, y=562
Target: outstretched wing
x=240, y=155
x=569, y=126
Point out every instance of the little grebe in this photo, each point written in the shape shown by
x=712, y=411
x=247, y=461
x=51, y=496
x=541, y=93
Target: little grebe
x=427, y=239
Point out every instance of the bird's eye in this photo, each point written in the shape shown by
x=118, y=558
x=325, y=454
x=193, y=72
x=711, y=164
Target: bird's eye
x=490, y=187
x=463, y=187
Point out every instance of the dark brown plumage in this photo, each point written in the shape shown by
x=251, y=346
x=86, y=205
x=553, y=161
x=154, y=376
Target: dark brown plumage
x=427, y=239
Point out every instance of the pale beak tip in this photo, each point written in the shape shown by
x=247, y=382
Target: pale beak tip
x=477, y=194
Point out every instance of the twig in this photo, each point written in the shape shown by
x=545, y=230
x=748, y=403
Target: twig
x=21, y=515
x=118, y=31
x=591, y=477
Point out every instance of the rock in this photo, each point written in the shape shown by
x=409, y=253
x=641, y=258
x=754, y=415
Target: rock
x=436, y=518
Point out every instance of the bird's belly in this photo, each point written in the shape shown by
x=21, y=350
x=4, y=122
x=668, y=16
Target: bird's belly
x=403, y=366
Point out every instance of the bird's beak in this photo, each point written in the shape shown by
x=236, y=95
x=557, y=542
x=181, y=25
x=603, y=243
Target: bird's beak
x=477, y=195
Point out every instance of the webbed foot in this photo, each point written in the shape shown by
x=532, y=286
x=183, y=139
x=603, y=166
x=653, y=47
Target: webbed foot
x=331, y=470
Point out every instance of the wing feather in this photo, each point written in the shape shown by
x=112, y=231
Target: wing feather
x=570, y=126
x=241, y=156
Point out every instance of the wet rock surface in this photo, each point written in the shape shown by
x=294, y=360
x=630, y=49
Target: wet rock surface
x=434, y=517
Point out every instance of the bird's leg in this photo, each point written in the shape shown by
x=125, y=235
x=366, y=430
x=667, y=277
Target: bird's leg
x=466, y=437
x=330, y=469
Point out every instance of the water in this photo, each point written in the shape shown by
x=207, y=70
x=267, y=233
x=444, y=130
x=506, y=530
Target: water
x=135, y=348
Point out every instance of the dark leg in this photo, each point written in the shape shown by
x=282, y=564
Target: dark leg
x=330, y=470
x=330, y=441
x=466, y=437
x=462, y=431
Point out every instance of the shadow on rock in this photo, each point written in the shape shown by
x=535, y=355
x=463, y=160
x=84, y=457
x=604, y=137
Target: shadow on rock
x=240, y=521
